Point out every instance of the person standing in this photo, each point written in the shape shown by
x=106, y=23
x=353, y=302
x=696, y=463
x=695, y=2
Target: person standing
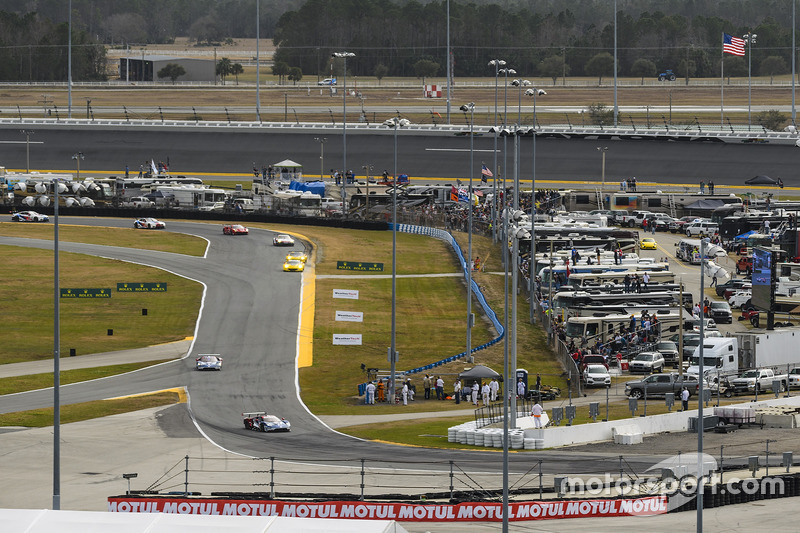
x=538, y=383
x=439, y=388
x=475, y=389
x=685, y=399
x=485, y=393
x=536, y=413
x=714, y=280
x=627, y=282
x=457, y=391
x=645, y=280
x=405, y=393
x=370, y=393
x=711, y=187
x=379, y=390
x=494, y=386
x=702, y=187
x=520, y=388
x=426, y=383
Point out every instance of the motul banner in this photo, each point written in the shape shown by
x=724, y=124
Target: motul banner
x=407, y=512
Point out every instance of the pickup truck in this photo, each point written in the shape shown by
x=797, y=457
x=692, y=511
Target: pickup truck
x=661, y=384
x=794, y=378
x=758, y=379
x=138, y=202
x=634, y=218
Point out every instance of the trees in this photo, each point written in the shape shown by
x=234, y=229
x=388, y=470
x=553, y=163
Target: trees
x=771, y=119
x=425, y=68
x=381, y=71
x=295, y=74
x=280, y=69
x=237, y=69
x=773, y=65
x=600, y=114
x=600, y=65
x=172, y=71
x=552, y=67
x=643, y=67
x=224, y=67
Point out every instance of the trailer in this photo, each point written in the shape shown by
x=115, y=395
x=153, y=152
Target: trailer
x=763, y=348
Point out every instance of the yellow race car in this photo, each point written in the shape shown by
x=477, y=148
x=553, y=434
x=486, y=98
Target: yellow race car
x=297, y=256
x=648, y=243
x=293, y=265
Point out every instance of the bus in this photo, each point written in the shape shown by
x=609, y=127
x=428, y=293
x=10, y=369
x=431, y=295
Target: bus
x=561, y=270
x=604, y=328
x=616, y=278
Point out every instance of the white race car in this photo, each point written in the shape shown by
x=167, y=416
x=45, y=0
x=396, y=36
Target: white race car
x=208, y=361
x=29, y=216
x=282, y=240
x=148, y=223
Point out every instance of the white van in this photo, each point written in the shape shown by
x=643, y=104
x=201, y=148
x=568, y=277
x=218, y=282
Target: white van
x=246, y=204
x=331, y=204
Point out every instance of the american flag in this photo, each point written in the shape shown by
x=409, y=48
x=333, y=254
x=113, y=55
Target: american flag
x=486, y=172
x=732, y=45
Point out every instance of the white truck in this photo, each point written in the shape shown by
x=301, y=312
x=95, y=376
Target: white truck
x=759, y=379
x=763, y=348
x=720, y=356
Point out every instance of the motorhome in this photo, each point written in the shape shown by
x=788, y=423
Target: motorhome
x=601, y=279
x=604, y=328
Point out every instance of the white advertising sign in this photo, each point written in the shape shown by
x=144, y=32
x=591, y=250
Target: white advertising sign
x=347, y=339
x=349, y=316
x=345, y=293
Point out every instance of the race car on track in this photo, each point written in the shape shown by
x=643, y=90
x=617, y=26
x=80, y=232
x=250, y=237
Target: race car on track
x=297, y=256
x=282, y=240
x=208, y=361
x=294, y=265
x=29, y=216
x=234, y=229
x=261, y=421
x=148, y=223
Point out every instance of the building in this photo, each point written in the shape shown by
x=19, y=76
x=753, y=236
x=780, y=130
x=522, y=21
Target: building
x=146, y=67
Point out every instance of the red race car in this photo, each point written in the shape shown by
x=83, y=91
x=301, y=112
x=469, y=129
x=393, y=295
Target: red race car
x=234, y=229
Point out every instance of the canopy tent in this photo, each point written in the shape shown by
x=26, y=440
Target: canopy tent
x=746, y=235
x=761, y=180
x=288, y=170
x=479, y=372
x=47, y=521
x=287, y=163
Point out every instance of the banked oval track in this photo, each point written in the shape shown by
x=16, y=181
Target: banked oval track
x=250, y=314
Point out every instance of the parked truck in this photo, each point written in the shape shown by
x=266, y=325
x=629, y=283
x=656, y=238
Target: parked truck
x=661, y=384
x=720, y=357
x=759, y=379
x=762, y=348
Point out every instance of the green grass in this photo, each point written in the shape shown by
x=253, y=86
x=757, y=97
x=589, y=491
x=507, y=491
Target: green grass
x=27, y=305
x=162, y=241
x=42, y=381
x=86, y=411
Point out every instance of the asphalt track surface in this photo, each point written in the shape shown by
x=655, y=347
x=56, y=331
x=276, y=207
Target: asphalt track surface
x=250, y=314
x=234, y=150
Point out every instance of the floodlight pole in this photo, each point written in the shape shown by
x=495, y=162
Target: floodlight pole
x=700, y=380
x=344, y=56
x=56, y=356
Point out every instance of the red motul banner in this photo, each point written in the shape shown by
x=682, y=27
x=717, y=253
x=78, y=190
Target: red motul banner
x=406, y=512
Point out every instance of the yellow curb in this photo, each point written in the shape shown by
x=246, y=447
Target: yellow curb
x=305, y=337
x=180, y=391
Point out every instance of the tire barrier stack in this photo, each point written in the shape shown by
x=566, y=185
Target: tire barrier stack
x=448, y=238
x=468, y=433
x=739, y=491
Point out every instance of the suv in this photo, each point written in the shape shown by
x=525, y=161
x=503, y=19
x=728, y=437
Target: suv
x=648, y=363
x=721, y=312
x=701, y=229
x=669, y=350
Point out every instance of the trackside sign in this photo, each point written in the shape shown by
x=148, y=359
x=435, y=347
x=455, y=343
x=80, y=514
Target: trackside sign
x=464, y=512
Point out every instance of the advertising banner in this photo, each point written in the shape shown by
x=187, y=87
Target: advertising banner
x=345, y=293
x=405, y=512
x=349, y=316
x=347, y=339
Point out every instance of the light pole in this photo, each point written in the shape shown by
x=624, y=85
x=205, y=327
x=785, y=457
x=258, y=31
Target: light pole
x=27, y=134
x=471, y=108
x=57, y=187
x=602, y=150
x=344, y=56
x=394, y=123
x=321, y=141
x=520, y=84
x=496, y=63
x=750, y=39
x=77, y=157
x=258, y=60
x=533, y=92
x=700, y=380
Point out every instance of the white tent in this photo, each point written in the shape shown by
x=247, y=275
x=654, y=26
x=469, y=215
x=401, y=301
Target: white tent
x=47, y=521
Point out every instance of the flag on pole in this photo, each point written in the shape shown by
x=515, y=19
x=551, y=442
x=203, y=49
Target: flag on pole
x=486, y=172
x=732, y=45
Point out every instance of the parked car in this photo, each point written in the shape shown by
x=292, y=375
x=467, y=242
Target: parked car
x=327, y=81
x=701, y=229
x=693, y=324
x=647, y=363
x=596, y=375
x=648, y=243
x=669, y=351
x=721, y=312
x=138, y=202
x=746, y=286
x=661, y=385
x=744, y=265
x=733, y=283
x=677, y=225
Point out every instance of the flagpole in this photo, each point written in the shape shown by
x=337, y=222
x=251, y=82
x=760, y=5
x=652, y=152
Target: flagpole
x=722, y=84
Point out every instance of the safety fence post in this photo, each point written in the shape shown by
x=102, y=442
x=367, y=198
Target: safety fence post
x=362, y=479
x=272, y=477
